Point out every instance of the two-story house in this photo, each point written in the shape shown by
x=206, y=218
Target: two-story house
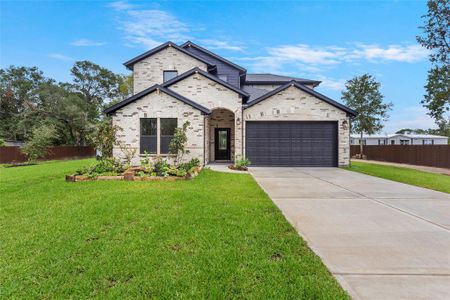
x=271, y=119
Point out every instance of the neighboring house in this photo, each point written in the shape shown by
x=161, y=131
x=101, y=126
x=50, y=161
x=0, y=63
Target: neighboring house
x=399, y=139
x=270, y=119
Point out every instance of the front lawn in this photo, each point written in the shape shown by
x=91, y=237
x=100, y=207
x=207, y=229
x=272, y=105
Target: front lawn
x=438, y=182
x=217, y=236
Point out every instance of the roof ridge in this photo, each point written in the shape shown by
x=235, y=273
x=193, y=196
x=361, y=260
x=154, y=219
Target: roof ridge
x=150, y=90
x=305, y=89
x=129, y=64
x=192, y=44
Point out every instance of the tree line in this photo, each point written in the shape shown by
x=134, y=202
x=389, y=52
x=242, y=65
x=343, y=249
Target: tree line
x=68, y=113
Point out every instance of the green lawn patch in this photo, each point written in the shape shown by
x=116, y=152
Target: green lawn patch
x=438, y=182
x=218, y=236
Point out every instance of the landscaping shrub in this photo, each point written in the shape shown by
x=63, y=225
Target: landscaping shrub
x=193, y=163
x=242, y=163
x=36, y=147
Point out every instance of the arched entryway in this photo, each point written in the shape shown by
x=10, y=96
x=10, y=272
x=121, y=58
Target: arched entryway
x=221, y=133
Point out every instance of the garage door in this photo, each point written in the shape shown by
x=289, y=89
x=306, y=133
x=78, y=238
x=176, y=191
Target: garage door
x=292, y=143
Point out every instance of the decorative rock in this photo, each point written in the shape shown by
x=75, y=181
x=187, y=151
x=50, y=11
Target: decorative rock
x=128, y=176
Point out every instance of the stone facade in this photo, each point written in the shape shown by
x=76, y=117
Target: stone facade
x=149, y=71
x=158, y=105
x=213, y=95
x=293, y=104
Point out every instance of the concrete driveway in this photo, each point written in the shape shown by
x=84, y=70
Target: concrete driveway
x=381, y=239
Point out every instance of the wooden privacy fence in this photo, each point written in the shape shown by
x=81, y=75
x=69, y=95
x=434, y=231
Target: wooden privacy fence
x=424, y=155
x=13, y=154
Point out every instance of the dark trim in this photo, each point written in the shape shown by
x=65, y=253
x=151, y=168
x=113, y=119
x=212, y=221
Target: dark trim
x=226, y=61
x=129, y=64
x=207, y=75
x=306, y=90
x=312, y=82
x=150, y=90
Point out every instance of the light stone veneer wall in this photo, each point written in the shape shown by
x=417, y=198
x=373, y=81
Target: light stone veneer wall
x=158, y=105
x=213, y=95
x=149, y=71
x=293, y=104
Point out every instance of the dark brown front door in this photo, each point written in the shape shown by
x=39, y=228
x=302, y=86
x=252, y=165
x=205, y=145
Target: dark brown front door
x=222, y=144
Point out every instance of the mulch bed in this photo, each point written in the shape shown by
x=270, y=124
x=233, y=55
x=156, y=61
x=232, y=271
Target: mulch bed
x=130, y=176
x=233, y=167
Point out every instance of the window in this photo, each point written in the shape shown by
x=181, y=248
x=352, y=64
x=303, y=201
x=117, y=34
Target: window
x=167, y=75
x=223, y=77
x=392, y=142
x=148, y=135
x=167, y=130
x=363, y=142
x=404, y=142
x=427, y=142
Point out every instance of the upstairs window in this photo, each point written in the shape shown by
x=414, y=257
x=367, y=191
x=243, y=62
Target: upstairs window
x=167, y=75
x=168, y=126
x=148, y=135
x=223, y=77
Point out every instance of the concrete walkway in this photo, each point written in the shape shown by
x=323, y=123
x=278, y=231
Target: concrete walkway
x=444, y=171
x=381, y=239
x=223, y=167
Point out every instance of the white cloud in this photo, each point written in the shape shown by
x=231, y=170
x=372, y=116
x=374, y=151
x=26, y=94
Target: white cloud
x=60, y=56
x=151, y=27
x=331, y=83
x=373, y=53
x=221, y=44
x=121, y=5
x=86, y=43
x=308, y=54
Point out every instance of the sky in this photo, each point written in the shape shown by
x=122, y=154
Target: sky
x=331, y=41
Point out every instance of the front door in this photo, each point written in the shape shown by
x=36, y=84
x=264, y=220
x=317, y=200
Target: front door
x=222, y=144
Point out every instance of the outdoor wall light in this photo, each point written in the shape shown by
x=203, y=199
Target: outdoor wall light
x=344, y=125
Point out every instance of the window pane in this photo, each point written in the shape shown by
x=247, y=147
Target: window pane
x=169, y=75
x=223, y=138
x=148, y=126
x=167, y=130
x=223, y=77
x=168, y=126
x=148, y=136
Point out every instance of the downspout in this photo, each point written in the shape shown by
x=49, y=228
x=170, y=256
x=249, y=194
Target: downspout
x=204, y=140
x=242, y=133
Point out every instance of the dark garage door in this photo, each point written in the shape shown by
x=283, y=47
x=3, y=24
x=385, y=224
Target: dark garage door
x=292, y=143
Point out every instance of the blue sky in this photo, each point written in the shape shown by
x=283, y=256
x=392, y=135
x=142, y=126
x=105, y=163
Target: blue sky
x=329, y=41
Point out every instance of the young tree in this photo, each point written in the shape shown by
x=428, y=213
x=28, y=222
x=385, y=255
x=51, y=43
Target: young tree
x=436, y=37
x=177, y=145
x=105, y=137
x=36, y=147
x=362, y=93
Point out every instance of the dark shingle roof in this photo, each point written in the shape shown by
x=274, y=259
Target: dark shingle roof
x=224, y=60
x=306, y=90
x=266, y=78
x=150, y=90
x=253, y=92
x=129, y=64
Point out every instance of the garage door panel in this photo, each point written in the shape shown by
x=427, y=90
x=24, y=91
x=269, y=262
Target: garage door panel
x=292, y=143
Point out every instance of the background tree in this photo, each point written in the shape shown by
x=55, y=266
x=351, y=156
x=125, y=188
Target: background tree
x=36, y=147
x=436, y=37
x=29, y=99
x=362, y=93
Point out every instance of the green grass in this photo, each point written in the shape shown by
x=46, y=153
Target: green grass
x=217, y=236
x=438, y=182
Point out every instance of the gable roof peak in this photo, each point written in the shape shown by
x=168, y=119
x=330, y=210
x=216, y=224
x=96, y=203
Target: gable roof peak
x=130, y=63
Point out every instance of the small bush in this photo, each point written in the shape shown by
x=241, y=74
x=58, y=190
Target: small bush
x=36, y=147
x=106, y=166
x=193, y=163
x=2, y=142
x=242, y=163
x=161, y=167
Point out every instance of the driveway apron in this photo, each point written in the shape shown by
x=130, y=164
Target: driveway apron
x=381, y=239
